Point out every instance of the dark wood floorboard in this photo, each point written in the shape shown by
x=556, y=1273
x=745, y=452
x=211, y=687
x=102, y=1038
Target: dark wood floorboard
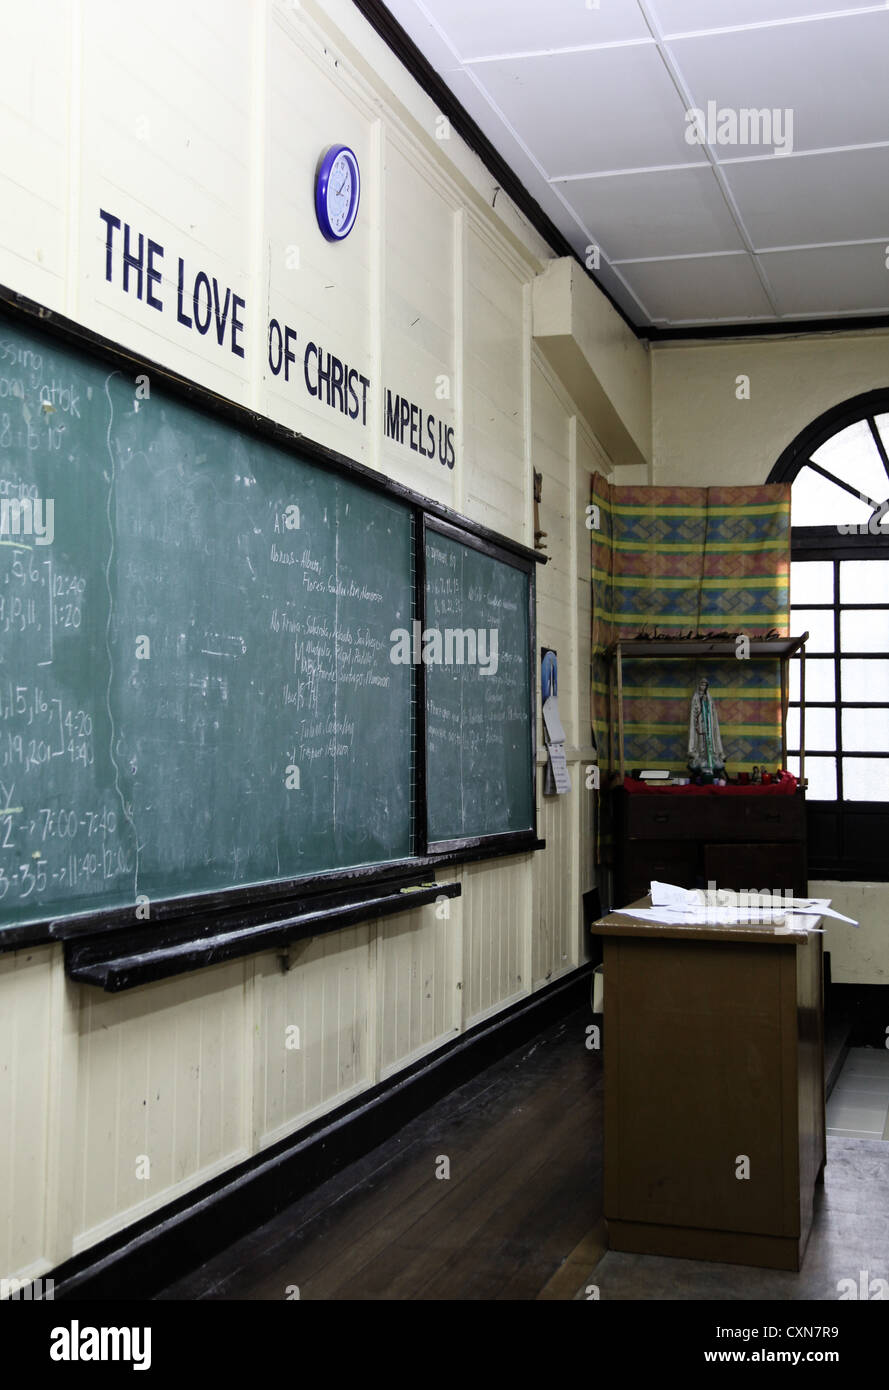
x=493, y=1201
x=524, y=1143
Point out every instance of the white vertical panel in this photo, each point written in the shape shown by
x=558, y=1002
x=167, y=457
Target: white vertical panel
x=460, y=332
x=34, y=104
x=494, y=387
x=60, y=1193
x=25, y=1044
x=564, y=452
x=419, y=1002
x=555, y=897
x=324, y=995
x=322, y=290
x=419, y=319
x=589, y=458
x=161, y=1076
x=495, y=909
x=258, y=166
x=555, y=579
x=165, y=123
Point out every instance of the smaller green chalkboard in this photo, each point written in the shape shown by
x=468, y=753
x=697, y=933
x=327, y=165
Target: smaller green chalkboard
x=477, y=656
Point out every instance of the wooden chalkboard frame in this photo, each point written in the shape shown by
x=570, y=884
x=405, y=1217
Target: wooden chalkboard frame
x=240, y=907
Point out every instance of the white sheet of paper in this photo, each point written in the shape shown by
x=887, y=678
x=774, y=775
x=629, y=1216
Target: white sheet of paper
x=552, y=723
x=669, y=895
x=559, y=766
x=697, y=917
x=812, y=908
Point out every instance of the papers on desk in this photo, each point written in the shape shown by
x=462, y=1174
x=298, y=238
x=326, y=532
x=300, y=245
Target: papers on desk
x=668, y=895
x=724, y=907
x=710, y=916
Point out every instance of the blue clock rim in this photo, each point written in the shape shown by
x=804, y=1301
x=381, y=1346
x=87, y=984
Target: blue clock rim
x=329, y=159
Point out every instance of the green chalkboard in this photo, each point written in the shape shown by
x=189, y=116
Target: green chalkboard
x=479, y=751
x=196, y=689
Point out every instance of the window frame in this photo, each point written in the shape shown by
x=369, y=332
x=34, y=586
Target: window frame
x=843, y=835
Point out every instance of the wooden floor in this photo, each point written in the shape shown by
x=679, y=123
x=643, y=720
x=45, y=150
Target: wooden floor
x=518, y=1217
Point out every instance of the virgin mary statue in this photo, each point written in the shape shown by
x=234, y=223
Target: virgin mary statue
x=705, y=751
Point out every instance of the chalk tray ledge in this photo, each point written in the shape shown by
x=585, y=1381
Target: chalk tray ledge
x=122, y=959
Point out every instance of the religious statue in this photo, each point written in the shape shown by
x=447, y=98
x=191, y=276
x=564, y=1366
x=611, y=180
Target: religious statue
x=705, y=752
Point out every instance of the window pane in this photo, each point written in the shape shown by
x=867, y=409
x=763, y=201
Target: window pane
x=821, y=730
x=816, y=501
x=864, y=631
x=818, y=624
x=882, y=424
x=865, y=731
x=821, y=775
x=862, y=680
x=820, y=680
x=865, y=779
x=863, y=581
x=811, y=581
x=853, y=456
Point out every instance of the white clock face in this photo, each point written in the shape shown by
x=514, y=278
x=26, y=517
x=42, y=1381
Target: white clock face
x=340, y=192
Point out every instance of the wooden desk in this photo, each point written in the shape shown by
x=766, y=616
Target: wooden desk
x=713, y=1050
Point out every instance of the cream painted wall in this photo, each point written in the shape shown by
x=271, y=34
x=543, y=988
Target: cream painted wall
x=703, y=435
x=200, y=125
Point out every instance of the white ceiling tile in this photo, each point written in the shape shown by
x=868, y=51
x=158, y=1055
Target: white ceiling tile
x=793, y=201
x=829, y=280
x=667, y=213
x=830, y=74
x=681, y=16
x=582, y=113
x=478, y=28
x=473, y=99
x=515, y=155
x=699, y=289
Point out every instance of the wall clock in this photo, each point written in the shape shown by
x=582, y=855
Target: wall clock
x=337, y=190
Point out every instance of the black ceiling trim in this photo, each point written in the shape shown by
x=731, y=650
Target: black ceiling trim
x=771, y=328
x=418, y=65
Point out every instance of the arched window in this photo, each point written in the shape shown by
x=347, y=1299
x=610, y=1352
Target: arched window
x=838, y=469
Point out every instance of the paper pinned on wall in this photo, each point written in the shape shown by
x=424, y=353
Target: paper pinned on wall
x=559, y=765
x=552, y=723
x=556, y=778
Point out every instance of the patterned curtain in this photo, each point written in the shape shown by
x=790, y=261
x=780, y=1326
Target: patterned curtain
x=685, y=562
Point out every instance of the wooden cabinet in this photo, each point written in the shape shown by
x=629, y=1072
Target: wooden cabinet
x=714, y=1089
x=752, y=842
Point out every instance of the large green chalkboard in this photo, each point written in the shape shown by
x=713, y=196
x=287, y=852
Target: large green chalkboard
x=199, y=686
x=196, y=689
x=478, y=709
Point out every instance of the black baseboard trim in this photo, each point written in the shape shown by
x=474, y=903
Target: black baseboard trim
x=145, y=1258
